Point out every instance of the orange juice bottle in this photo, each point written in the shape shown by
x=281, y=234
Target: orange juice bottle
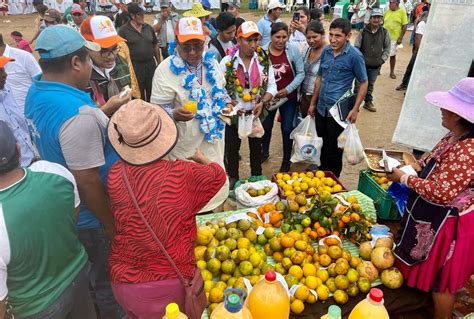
x=233, y=306
x=172, y=312
x=371, y=307
x=269, y=299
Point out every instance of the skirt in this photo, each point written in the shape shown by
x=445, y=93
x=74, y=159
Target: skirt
x=148, y=300
x=450, y=263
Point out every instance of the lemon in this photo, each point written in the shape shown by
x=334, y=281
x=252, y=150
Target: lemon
x=297, y=190
x=296, y=271
x=297, y=306
x=206, y=275
x=286, y=177
x=208, y=285
x=201, y=264
x=302, y=175
x=312, y=191
x=304, y=186
x=289, y=194
x=296, y=183
x=320, y=174
x=302, y=293
x=309, y=270
x=309, y=174
x=337, y=188
x=279, y=175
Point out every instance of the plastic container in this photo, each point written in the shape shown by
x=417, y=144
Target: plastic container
x=269, y=299
x=233, y=306
x=334, y=312
x=172, y=312
x=384, y=203
x=371, y=307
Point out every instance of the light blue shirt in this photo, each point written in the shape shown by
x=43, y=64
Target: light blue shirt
x=265, y=27
x=10, y=113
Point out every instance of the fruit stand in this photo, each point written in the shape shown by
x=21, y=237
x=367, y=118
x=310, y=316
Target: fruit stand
x=298, y=238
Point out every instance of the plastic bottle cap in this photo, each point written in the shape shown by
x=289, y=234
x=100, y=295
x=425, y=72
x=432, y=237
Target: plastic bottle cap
x=334, y=312
x=270, y=276
x=233, y=303
x=376, y=294
x=172, y=311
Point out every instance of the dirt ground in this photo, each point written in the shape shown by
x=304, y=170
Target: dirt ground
x=376, y=129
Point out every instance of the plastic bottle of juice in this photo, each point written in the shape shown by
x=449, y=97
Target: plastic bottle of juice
x=334, y=312
x=371, y=307
x=172, y=312
x=269, y=299
x=233, y=306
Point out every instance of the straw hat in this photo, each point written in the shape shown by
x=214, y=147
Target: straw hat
x=142, y=133
x=459, y=100
x=197, y=11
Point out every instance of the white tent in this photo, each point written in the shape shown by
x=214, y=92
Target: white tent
x=444, y=58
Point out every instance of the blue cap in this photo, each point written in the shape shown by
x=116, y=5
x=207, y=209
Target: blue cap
x=7, y=143
x=60, y=40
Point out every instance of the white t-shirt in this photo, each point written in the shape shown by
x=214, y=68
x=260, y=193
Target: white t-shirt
x=420, y=28
x=169, y=31
x=299, y=40
x=20, y=73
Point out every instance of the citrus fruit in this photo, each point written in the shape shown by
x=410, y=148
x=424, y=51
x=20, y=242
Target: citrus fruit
x=309, y=270
x=302, y=293
x=297, y=306
x=323, y=292
x=216, y=295
x=313, y=282
x=296, y=271
x=322, y=274
x=340, y=297
x=247, y=97
x=311, y=299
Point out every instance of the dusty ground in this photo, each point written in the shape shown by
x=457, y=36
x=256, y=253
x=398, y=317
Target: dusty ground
x=376, y=129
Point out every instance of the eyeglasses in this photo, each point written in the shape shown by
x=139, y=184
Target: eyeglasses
x=190, y=47
x=106, y=53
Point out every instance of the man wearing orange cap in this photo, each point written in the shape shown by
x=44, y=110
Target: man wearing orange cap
x=110, y=72
x=251, y=82
x=190, y=86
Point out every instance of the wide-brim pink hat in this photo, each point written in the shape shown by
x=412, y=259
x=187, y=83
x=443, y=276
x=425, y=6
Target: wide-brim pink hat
x=459, y=100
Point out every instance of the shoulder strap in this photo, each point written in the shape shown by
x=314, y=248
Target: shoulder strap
x=218, y=46
x=152, y=233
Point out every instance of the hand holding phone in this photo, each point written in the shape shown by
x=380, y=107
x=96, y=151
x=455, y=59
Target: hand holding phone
x=296, y=16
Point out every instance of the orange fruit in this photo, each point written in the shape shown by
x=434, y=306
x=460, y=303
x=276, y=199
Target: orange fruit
x=307, y=230
x=287, y=241
x=345, y=219
x=355, y=217
x=316, y=225
x=321, y=231
x=269, y=207
x=340, y=224
x=247, y=97
x=313, y=235
x=278, y=256
x=261, y=210
x=295, y=235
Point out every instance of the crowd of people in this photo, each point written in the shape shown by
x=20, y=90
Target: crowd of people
x=124, y=131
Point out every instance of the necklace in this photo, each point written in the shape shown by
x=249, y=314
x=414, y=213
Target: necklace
x=209, y=103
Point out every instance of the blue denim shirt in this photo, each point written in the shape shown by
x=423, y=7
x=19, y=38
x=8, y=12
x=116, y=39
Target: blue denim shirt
x=265, y=27
x=338, y=74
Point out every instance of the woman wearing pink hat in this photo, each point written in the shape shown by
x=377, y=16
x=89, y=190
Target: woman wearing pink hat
x=436, y=243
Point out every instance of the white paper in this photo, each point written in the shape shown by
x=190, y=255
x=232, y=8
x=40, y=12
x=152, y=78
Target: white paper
x=408, y=169
x=342, y=200
x=248, y=285
x=236, y=217
x=266, y=218
x=335, y=115
x=260, y=230
x=282, y=281
x=314, y=293
x=293, y=290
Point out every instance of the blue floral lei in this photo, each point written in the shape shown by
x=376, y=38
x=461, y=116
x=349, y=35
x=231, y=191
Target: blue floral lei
x=208, y=110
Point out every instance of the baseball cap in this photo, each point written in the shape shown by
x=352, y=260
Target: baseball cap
x=247, y=29
x=189, y=28
x=397, y=1
x=7, y=143
x=4, y=60
x=376, y=13
x=101, y=30
x=60, y=40
x=134, y=8
x=75, y=8
x=275, y=4
x=234, y=3
x=164, y=4
x=52, y=15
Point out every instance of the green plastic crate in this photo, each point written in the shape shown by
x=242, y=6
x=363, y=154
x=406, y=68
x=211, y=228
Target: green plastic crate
x=384, y=203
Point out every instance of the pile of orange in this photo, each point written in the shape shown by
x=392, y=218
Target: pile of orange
x=269, y=216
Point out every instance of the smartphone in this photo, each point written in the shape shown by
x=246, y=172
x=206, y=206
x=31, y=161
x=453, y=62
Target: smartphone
x=296, y=16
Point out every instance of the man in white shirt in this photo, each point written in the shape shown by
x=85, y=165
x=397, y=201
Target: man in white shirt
x=20, y=72
x=164, y=24
x=251, y=83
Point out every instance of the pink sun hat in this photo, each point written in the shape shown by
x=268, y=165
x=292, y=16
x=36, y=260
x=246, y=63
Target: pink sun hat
x=459, y=100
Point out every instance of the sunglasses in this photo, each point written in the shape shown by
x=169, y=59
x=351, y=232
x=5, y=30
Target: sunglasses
x=77, y=14
x=190, y=47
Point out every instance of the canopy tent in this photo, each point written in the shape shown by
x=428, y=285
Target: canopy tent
x=444, y=58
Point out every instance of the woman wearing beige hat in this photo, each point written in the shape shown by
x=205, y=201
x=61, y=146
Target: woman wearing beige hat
x=154, y=203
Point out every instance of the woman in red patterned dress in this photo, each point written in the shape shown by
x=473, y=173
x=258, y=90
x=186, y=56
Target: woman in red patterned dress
x=169, y=195
x=435, y=247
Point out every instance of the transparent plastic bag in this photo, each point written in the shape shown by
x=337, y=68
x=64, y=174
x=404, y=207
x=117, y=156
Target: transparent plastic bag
x=307, y=144
x=353, y=149
x=245, y=125
x=257, y=128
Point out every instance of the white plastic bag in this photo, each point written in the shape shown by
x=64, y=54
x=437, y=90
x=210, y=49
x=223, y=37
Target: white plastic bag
x=245, y=200
x=353, y=149
x=245, y=125
x=257, y=128
x=307, y=144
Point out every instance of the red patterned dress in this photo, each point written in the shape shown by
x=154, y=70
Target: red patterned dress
x=450, y=262
x=170, y=194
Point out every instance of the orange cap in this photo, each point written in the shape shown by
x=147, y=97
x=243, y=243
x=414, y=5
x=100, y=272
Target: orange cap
x=4, y=60
x=101, y=30
x=247, y=29
x=189, y=28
